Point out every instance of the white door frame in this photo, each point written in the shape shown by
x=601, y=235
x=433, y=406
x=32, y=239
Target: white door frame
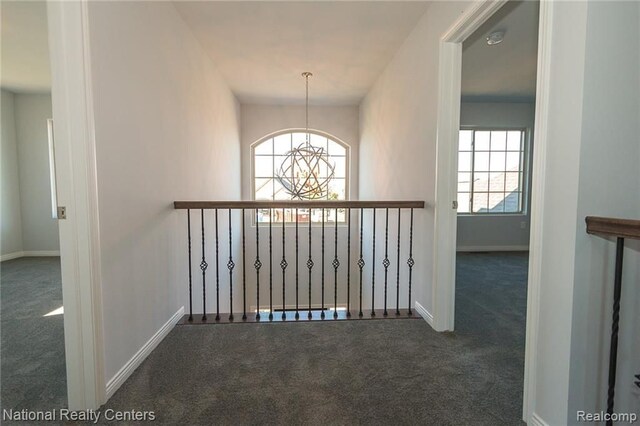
x=445, y=229
x=77, y=191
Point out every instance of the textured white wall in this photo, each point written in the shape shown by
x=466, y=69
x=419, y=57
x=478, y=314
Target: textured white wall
x=398, y=134
x=39, y=228
x=11, y=219
x=490, y=231
x=167, y=128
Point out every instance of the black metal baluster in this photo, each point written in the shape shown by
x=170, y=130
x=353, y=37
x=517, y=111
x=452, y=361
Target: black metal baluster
x=398, y=268
x=336, y=265
x=190, y=279
x=322, y=269
x=310, y=266
x=386, y=262
x=283, y=265
x=615, y=326
x=244, y=271
x=348, y=263
x=203, y=267
x=270, y=266
x=297, y=246
x=361, y=260
x=410, y=261
x=230, y=265
x=217, y=272
x=257, y=264
x=373, y=268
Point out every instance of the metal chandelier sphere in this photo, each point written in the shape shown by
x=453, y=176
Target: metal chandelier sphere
x=301, y=171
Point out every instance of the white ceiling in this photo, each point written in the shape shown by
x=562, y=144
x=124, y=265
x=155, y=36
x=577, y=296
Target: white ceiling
x=261, y=48
x=506, y=71
x=25, y=48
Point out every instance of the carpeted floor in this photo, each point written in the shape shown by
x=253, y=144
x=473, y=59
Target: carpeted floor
x=32, y=367
x=369, y=372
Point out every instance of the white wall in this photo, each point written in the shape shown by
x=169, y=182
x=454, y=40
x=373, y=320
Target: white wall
x=11, y=220
x=27, y=224
x=39, y=228
x=398, y=133
x=591, y=169
x=497, y=231
x=167, y=128
x=257, y=122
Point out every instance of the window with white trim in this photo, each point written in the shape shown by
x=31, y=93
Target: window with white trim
x=269, y=153
x=491, y=171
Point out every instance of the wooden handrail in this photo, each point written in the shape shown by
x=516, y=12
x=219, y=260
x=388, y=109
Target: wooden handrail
x=319, y=204
x=613, y=227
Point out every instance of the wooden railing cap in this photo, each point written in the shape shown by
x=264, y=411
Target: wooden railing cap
x=613, y=227
x=311, y=204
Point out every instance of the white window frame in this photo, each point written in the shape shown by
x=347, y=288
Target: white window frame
x=346, y=146
x=524, y=184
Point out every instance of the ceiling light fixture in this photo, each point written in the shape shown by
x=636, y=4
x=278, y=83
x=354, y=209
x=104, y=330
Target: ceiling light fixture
x=495, y=37
x=306, y=171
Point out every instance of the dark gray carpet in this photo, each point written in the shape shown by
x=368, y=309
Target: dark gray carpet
x=369, y=372
x=32, y=365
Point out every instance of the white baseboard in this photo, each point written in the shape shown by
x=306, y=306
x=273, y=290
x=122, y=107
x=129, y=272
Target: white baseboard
x=121, y=376
x=536, y=420
x=32, y=253
x=491, y=248
x=424, y=313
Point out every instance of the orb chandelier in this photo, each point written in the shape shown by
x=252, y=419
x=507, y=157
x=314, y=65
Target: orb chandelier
x=306, y=170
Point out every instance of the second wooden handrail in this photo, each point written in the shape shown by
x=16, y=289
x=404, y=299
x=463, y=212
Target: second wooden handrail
x=613, y=227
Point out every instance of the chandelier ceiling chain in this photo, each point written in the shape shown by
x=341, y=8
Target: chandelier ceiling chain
x=301, y=171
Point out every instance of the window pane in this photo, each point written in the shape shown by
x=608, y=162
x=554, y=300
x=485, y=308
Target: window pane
x=512, y=181
x=481, y=161
x=282, y=144
x=339, y=166
x=498, y=161
x=496, y=202
x=482, y=141
x=464, y=182
x=263, y=166
x=512, y=203
x=496, y=182
x=480, y=182
x=465, y=140
x=299, y=139
x=336, y=149
x=498, y=140
x=264, y=189
x=513, y=161
x=480, y=202
x=513, y=140
x=464, y=161
x=264, y=148
x=279, y=193
x=337, y=189
x=463, y=202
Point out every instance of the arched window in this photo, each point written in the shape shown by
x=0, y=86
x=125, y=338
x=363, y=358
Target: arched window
x=270, y=153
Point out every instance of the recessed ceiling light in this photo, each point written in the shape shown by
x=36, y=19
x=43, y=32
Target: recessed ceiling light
x=495, y=37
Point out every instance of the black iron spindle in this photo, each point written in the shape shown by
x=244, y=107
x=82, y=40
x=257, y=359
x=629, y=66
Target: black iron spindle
x=297, y=247
x=615, y=327
x=322, y=269
x=386, y=262
x=217, y=270
x=361, y=260
x=203, y=267
x=348, y=263
x=283, y=265
x=398, y=268
x=231, y=265
x=190, y=279
x=244, y=271
x=410, y=261
x=373, y=268
x=336, y=265
x=257, y=264
x=270, y=265
x=310, y=266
